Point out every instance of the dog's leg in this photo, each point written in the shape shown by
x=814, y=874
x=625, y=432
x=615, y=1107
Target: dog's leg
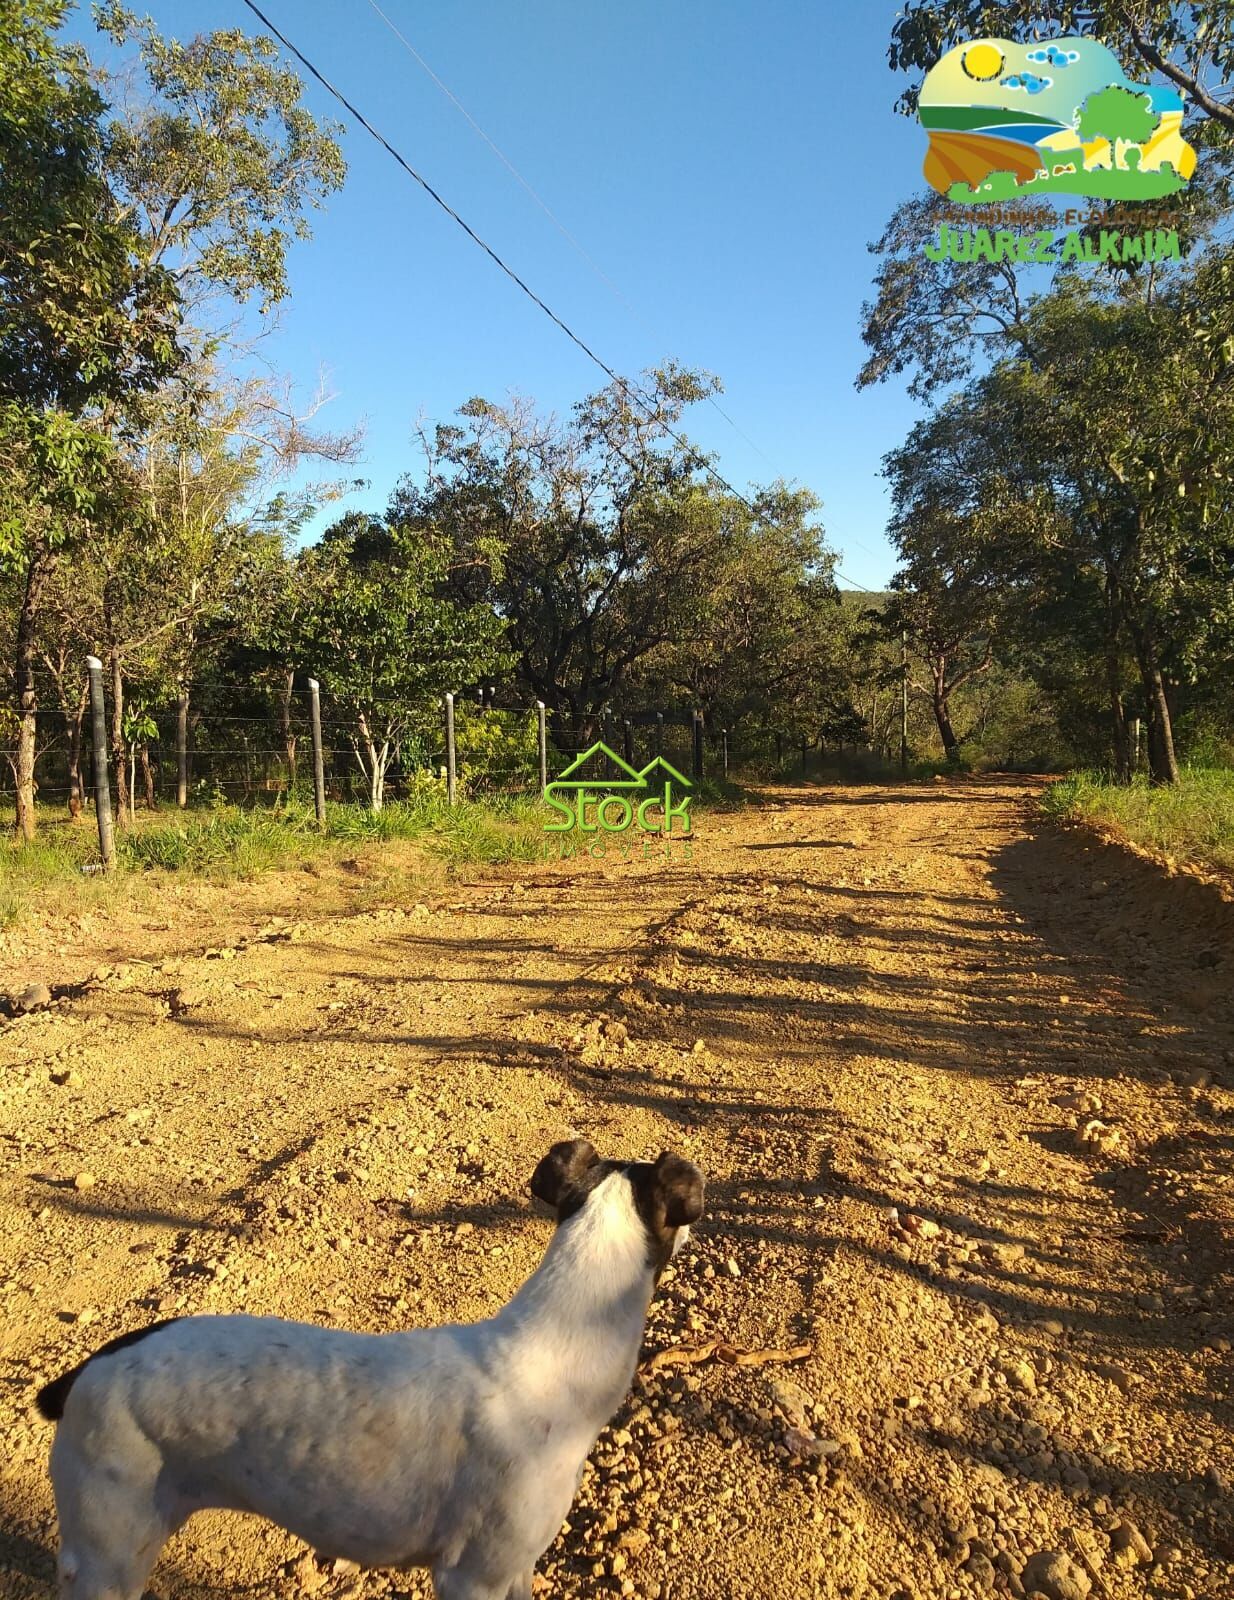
x=112, y=1525
x=461, y=1583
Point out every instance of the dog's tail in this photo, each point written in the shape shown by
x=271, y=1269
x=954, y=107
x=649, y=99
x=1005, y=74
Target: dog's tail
x=53, y=1396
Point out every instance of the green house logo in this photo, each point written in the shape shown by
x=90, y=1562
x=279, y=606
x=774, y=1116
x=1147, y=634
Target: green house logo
x=652, y=800
x=1013, y=121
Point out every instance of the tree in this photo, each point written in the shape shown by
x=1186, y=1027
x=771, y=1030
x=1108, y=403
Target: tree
x=1119, y=115
x=87, y=319
x=761, y=640
x=217, y=158
x=589, y=539
x=1088, y=487
x=382, y=633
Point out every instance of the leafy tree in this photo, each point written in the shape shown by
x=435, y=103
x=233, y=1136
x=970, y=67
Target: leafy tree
x=385, y=638
x=87, y=319
x=589, y=539
x=1117, y=114
x=761, y=639
x=218, y=158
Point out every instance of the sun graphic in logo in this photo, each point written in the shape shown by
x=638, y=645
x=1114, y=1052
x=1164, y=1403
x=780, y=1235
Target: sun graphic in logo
x=983, y=61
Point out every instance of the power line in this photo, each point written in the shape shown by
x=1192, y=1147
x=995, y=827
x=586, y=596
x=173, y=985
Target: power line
x=623, y=384
x=547, y=209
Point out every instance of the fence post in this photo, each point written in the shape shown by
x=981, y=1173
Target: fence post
x=724, y=748
x=779, y=749
x=659, y=733
x=698, y=744
x=182, y=747
x=803, y=757
x=542, y=738
x=319, y=760
x=98, y=740
x=904, y=703
x=451, y=770
x=627, y=740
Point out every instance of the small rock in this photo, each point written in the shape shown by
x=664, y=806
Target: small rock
x=791, y=1399
x=982, y=1571
x=1123, y=1380
x=1099, y=1136
x=34, y=997
x=1056, y=1576
x=1020, y=1375
x=84, y=1180
x=1128, y=1546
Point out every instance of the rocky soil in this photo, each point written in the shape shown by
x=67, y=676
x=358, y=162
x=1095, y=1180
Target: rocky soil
x=959, y=1319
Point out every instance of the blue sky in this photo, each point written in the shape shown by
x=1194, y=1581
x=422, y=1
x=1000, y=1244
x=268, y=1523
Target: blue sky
x=725, y=164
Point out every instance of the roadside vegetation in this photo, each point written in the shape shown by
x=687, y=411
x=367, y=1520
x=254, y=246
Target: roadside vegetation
x=1191, y=821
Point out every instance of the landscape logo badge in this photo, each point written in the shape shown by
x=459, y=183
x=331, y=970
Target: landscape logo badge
x=1020, y=123
x=653, y=801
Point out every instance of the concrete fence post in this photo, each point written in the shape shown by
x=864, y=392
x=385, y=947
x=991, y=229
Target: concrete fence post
x=627, y=740
x=698, y=744
x=724, y=748
x=542, y=739
x=319, y=755
x=98, y=740
x=451, y=766
x=182, y=747
x=659, y=733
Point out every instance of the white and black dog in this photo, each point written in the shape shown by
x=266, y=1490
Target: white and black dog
x=457, y=1448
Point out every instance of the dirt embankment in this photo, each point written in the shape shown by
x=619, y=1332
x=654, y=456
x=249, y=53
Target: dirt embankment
x=961, y=1084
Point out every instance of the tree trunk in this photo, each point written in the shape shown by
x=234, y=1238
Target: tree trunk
x=1120, y=732
x=289, y=738
x=1162, y=760
x=182, y=747
x=119, y=755
x=942, y=711
x=74, y=719
x=37, y=568
x=147, y=774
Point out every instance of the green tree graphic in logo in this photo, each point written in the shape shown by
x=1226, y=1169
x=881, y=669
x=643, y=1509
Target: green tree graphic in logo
x=652, y=799
x=1013, y=121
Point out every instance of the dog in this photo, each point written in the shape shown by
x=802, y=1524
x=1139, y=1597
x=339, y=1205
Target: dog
x=457, y=1448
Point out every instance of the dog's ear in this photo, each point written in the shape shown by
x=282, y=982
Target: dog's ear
x=562, y=1170
x=681, y=1188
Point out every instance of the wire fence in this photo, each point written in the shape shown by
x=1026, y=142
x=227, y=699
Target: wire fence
x=248, y=745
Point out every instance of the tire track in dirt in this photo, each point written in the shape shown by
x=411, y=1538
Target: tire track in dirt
x=881, y=1020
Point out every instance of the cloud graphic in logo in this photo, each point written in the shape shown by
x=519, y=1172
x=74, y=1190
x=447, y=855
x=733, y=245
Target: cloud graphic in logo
x=1053, y=56
x=1028, y=81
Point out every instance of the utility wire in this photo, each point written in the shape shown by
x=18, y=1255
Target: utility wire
x=626, y=387
x=547, y=210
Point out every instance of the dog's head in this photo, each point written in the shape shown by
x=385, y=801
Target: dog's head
x=667, y=1194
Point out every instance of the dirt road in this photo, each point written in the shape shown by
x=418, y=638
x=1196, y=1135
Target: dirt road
x=961, y=1084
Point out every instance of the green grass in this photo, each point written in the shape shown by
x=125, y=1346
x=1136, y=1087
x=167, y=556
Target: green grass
x=241, y=842
x=1192, y=821
x=227, y=842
